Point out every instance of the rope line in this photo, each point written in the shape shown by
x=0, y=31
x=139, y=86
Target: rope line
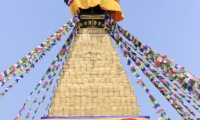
x=167, y=93
x=49, y=72
x=155, y=104
x=162, y=62
x=162, y=79
x=62, y=66
x=15, y=69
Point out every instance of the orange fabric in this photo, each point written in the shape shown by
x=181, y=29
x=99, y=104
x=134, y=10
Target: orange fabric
x=111, y=6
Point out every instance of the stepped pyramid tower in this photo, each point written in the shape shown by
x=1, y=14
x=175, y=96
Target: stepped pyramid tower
x=93, y=82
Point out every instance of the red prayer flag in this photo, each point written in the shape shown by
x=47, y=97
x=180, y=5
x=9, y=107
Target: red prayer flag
x=150, y=96
x=50, y=38
x=138, y=63
x=16, y=118
x=58, y=36
x=139, y=81
x=1, y=76
x=125, y=52
x=175, y=70
x=164, y=56
x=23, y=108
x=71, y=35
x=191, y=81
x=170, y=73
x=132, y=38
x=25, y=57
x=132, y=67
x=13, y=67
x=46, y=83
x=37, y=48
x=54, y=66
x=181, y=81
x=159, y=111
x=199, y=96
x=157, y=63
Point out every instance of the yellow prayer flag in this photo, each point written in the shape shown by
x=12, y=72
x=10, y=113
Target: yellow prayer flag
x=149, y=56
x=7, y=71
x=165, y=68
x=32, y=52
x=61, y=56
x=136, y=42
x=154, y=103
x=20, y=61
x=176, y=106
x=182, y=75
x=44, y=43
x=119, y=44
x=171, y=61
x=64, y=31
x=55, y=59
x=144, y=88
x=196, y=85
x=134, y=73
x=5, y=80
x=148, y=50
x=159, y=59
x=185, y=80
x=54, y=33
x=141, y=67
x=126, y=33
x=18, y=71
x=51, y=73
x=66, y=43
x=27, y=63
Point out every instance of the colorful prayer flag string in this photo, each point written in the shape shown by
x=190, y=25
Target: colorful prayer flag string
x=49, y=71
x=159, y=60
x=44, y=96
x=49, y=103
x=162, y=79
x=174, y=77
x=51, y=82
x=185, y=95
x=53, y=92
x=155, y=104
x=11, y=71
x=167, y=95
x=24, y=71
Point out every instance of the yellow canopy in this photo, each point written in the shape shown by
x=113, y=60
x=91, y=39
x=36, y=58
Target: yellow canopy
x=111, y=7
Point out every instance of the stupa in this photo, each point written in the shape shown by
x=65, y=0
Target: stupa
x=93, y=84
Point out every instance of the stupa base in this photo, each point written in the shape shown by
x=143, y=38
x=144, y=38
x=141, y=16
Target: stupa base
x=96, y=118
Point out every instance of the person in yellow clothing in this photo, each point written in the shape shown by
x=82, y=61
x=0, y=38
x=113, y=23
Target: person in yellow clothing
x=110, y=7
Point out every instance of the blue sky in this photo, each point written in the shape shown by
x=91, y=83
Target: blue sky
x=170, y=27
